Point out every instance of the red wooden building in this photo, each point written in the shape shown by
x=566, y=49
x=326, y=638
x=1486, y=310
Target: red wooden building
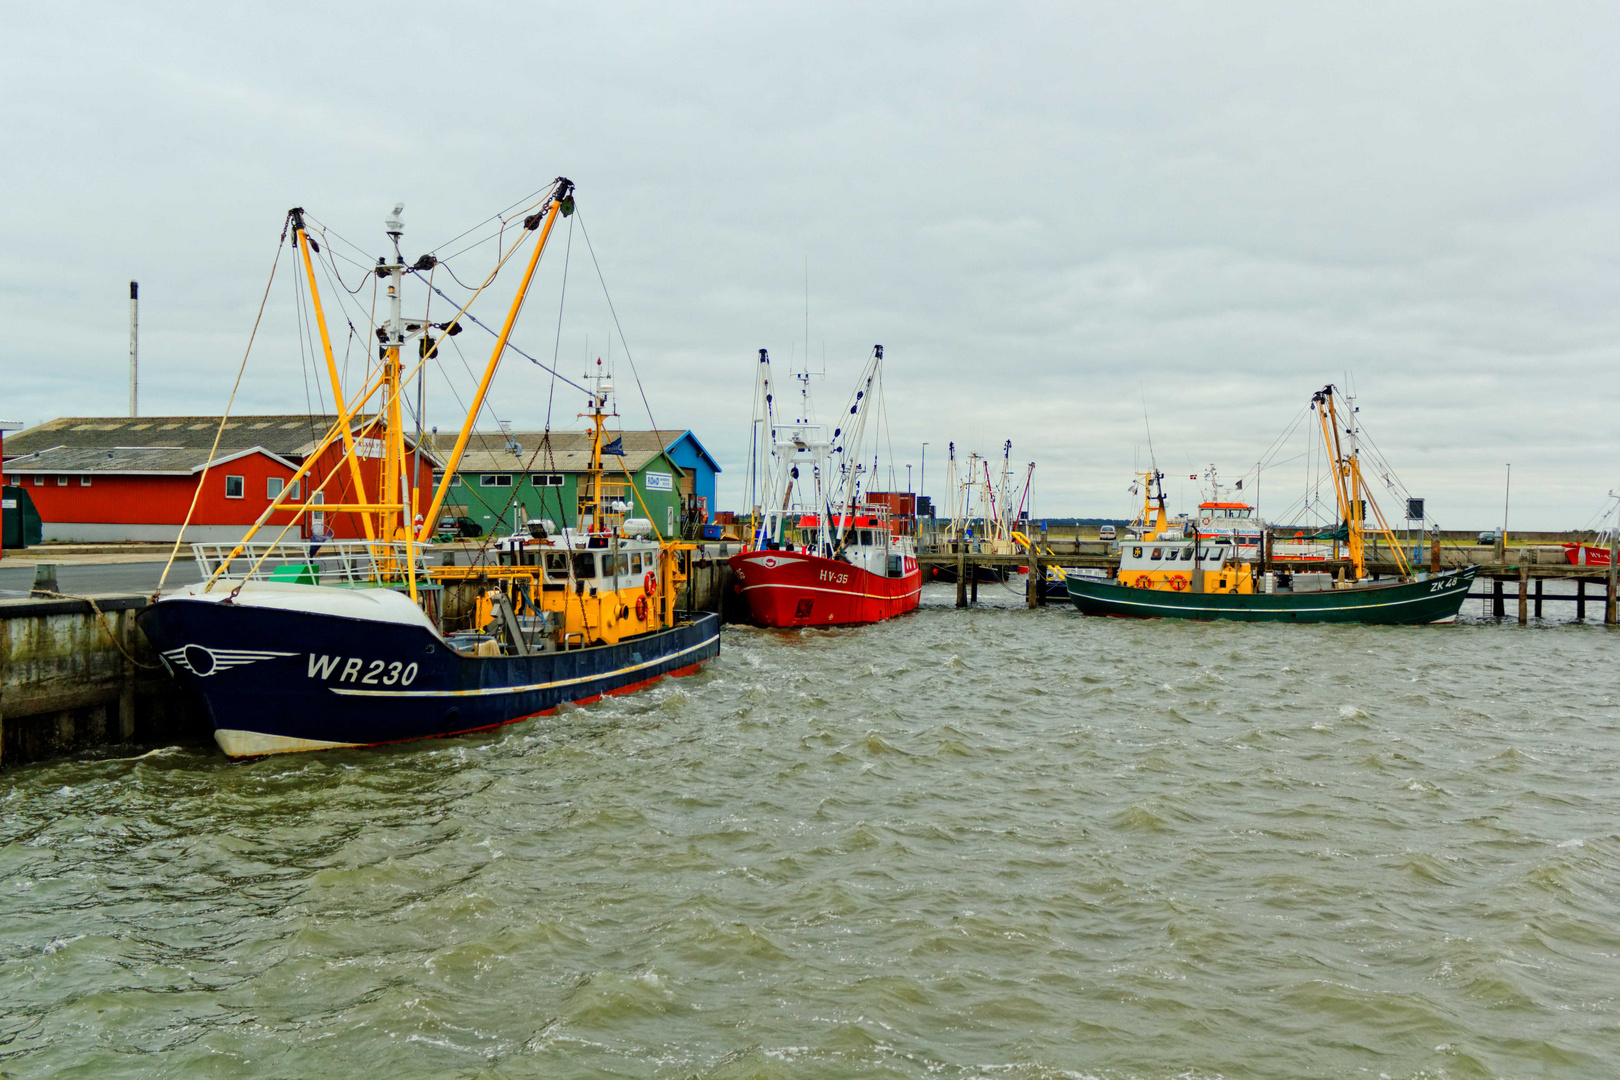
x=124, y=478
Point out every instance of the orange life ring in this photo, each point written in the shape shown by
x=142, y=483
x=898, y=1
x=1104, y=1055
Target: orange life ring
x=1144, y=582
x=641, y=607
x=649, y=584
x=1178, y=584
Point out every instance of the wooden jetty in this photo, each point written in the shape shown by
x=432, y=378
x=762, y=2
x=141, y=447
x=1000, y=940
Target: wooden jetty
x=1523, y=567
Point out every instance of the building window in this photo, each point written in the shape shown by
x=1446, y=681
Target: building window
x=274, y=487
x=547, y=480
x=233, y=487
x=61, y=481
x=496, y=479
x=84, y=481
x=455, y=481
x=39, y=481
x=297, y=492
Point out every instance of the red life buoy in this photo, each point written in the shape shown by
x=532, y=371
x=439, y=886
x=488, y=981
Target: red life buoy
x=1178, y=584
x=1144, y=582
x=641, y=607
x=649, y=584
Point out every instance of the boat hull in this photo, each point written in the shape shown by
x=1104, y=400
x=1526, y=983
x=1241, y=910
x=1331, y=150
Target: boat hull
x=988, y=575
x=1586, y=555
x=786, y=588
x=1434, y=599
x=276, y=680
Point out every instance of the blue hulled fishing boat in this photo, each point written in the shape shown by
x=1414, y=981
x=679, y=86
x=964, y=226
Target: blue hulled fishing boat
x=307, y=644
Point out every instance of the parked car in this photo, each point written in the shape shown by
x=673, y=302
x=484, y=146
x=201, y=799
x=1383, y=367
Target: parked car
x=459, y=527
x=1106, y=533
x=1489, y=536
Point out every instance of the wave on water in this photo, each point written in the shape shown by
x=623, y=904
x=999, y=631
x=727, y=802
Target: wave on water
x=964, y=844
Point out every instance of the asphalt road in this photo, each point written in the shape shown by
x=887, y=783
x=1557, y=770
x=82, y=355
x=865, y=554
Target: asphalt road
x=82, y=578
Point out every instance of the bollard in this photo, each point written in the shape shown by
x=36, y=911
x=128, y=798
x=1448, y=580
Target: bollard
x=44, y=580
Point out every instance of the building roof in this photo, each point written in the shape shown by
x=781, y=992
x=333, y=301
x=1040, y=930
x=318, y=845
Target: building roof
x=566, y=452
x=290, y=436
x=286, y=435
x=672, y=437
x=148, y=460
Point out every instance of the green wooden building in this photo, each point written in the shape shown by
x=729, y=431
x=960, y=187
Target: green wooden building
x=508, y=478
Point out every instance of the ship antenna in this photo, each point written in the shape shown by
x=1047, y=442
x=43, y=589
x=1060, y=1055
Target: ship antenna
x=1152, y=460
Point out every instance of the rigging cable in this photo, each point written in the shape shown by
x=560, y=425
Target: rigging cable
x=254, y=333
x=472, y=319
x=526, y=202
x=612, y=310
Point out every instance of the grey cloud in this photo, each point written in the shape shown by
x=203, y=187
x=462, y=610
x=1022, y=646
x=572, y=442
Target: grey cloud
x=1045, y=213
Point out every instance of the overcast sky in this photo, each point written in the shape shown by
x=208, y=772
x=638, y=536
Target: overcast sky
x=1048, y=215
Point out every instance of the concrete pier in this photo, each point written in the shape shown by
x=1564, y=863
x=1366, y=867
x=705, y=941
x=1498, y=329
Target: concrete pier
x=78, y=673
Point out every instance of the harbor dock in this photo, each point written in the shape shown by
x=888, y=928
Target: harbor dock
x=78, y=674
x=1527, y=569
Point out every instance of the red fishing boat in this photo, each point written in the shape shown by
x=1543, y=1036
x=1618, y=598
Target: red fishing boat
x=824, y=550
x=1587, y=554
x=872, y=577
x=1597, y=552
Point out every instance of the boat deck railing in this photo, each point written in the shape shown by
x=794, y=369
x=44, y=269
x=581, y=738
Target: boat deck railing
x=336, y=562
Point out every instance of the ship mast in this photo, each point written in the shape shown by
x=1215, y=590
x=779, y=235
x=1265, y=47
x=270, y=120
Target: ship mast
x=1349, y=486
x=305, y=244
x=591, y=498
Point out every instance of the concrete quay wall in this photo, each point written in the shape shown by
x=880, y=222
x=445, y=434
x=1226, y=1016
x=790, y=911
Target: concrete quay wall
x=78, y=673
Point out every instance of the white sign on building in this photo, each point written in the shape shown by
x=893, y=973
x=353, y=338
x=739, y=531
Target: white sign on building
x=660, y=481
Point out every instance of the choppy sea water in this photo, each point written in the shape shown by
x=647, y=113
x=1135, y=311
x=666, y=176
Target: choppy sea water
x=985, y=843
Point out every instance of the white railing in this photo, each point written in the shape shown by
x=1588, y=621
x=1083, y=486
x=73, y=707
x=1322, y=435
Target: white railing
x=336, y=562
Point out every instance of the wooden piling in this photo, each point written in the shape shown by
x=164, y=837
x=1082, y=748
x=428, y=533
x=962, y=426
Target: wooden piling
x=1498, y=605
x=973, y=584
x=1539, y=583
x=126, y=695
x=1614, y=582
x=961, y=580
x=1037, y=584
x=1434, y=554
x=1524, y=595
x=1580, y=599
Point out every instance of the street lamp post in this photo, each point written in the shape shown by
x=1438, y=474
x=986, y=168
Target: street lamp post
x=922, y=480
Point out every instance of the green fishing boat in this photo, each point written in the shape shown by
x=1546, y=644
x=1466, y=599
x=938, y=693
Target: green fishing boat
x=1187, y=572
x=1434, y=599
